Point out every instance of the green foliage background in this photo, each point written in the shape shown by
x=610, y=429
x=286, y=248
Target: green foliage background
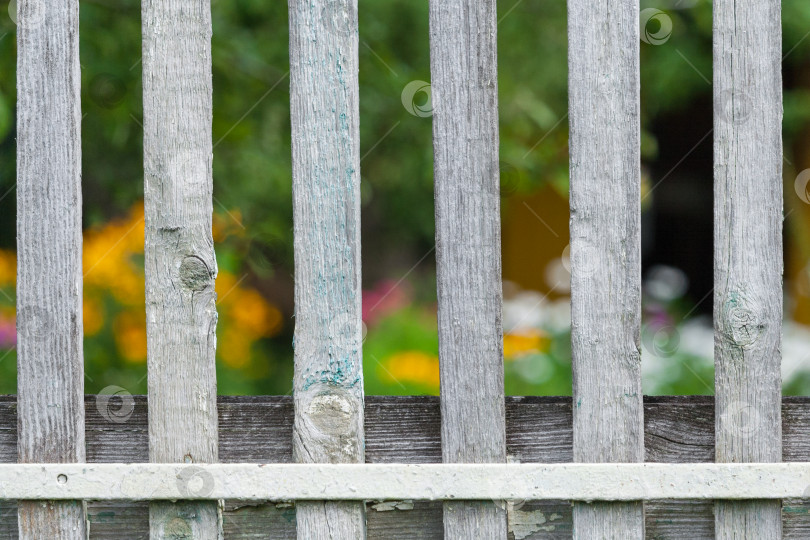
x=251, y=132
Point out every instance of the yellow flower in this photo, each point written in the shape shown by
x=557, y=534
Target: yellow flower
x=233, y=348
x=254, y=314
x=108, y=257
x=225, y=225
x=130, y=335
x=8, y=267
x=92, y=315
x=523, y=343
x=413, y=367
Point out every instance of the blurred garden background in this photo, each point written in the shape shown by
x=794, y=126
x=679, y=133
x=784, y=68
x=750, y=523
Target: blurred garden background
x=253, y=208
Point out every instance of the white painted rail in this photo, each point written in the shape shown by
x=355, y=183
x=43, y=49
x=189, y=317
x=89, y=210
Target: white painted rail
x=356, y=482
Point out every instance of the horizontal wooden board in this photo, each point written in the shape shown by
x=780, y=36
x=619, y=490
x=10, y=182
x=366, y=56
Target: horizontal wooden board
x=392, y=482
x=406, y=430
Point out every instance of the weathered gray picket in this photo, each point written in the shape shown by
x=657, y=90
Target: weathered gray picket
x=50, y=376
x=464, y=87
x=748, y=250
x=328, y=419
x=328, y=381
x=179, y=257
x=603, y=81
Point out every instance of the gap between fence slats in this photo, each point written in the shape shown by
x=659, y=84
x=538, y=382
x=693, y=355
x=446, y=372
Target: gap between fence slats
x=50, y=364
x=179, y=255
x=603, y=82
x=328, y=380
x=748, y=250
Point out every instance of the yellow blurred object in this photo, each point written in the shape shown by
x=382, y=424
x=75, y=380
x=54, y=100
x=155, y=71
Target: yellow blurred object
x=92, y=315
x=8, y=267
x=413, y=367
x=130, y=335
x=254, y=314
x=108, y=258
x=528, y=342
x=233, y=348
x=113, y=266
x=228, y=225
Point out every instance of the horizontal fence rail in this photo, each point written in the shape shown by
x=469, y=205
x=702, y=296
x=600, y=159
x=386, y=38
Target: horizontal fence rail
x=406, y=430
x=396, y=481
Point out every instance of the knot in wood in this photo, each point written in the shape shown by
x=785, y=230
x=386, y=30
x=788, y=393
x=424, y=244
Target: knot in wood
x=177, y=529
x=194, y=273
x=743, y=320
x=332, y=413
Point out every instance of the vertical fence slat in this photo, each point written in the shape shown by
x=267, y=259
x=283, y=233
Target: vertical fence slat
x=748, y=251
x=463, y=53
x=50, y=363
x=603, y=41
x=328, y=380
x=179, y=255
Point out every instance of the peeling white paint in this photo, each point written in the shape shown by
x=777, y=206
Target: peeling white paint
x=523, y=524
x=387, y=506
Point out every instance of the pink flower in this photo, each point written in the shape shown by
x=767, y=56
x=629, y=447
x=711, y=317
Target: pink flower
x=8, y=333
x=386, y=296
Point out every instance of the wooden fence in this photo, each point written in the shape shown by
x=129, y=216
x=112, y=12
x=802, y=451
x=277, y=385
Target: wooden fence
x=427, y=468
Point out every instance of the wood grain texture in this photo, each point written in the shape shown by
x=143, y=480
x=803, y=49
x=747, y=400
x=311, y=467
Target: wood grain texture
x=603, y=82
x=50, y=361
x=748, y=249
x=464, y=85
x=407, y=430
x=328, y=380
x=179, y=252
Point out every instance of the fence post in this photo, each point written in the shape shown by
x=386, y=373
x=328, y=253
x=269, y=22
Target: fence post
x=464, y=77
x=50, y=363
x=748, y=251
x=603, y=83
x=179, y=256
x=328, y=380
